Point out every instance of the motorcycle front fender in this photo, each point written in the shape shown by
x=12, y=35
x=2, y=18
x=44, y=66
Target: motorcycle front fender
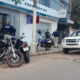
x=10, y=51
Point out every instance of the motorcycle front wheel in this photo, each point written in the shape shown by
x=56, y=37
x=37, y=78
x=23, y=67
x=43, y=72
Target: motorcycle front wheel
x=15, y=62
x=48, y=46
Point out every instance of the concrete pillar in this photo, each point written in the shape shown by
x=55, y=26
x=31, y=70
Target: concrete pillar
x=33, y=44
x=70, y=16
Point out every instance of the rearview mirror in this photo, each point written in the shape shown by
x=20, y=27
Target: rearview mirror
x=23, y=33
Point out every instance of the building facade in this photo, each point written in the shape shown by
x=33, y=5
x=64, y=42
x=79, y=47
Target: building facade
x=19, y=15
x=54, y=14
x=64, y=18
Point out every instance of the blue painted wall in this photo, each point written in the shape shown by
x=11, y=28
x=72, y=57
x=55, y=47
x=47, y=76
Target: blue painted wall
x=68, y=9
x=45, y=3
x=67, y=1
x=54, y=4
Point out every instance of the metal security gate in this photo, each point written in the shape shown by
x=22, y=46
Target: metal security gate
x=43, y=27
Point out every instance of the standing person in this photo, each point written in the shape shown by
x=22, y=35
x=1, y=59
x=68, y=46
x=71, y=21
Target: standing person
x=41, y=32
x=47, y=34
x=9, y=28
x=64, y=35
x=56, y=37
x=11, y=23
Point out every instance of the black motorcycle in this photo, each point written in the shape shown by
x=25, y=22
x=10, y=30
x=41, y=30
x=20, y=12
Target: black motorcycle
x=14, y=57
x=23, y=47
x=20, y=45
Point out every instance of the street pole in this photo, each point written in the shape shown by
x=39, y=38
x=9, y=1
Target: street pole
x=33, y=44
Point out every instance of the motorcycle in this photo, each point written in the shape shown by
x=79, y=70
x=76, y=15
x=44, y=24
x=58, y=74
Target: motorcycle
x=43, y=42
x=23, y=47
x=14, y=57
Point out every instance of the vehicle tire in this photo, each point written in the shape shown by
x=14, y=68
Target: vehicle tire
x=65, y=51
x=48, y=47
x=37, y=46
x=27, y=57
x=15, y=62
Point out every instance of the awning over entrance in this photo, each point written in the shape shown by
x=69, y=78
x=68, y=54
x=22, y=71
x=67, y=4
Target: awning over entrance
x=70, y=22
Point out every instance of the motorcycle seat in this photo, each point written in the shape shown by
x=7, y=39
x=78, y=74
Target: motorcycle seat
x=49, y=39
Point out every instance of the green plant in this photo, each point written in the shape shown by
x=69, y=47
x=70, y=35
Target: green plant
x=75, y=14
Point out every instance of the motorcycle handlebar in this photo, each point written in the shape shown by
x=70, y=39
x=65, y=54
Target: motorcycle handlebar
x=20, y=37
x=5, y=32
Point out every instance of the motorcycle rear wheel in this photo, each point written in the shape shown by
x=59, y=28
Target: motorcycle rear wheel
x=27, y=57
x=15, y=62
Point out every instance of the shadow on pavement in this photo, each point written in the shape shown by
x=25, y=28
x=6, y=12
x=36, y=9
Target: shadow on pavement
x=74, y=53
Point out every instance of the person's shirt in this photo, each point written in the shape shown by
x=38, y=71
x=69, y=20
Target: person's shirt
x=47, y=34
x=9, y=28
x=55, y=34
x=64, y=35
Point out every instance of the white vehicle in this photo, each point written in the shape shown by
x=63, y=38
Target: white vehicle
x=72, y=42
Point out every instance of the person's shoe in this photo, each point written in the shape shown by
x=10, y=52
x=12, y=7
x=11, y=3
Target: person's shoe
x=54, y=46
x=57, y=46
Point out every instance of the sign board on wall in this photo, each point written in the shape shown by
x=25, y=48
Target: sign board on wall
x=30, y=19
x=62, y=13
x=37, y=19
x=27, y=6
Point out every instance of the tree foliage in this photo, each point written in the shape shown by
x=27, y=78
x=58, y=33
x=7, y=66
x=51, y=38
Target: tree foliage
x=75, y=14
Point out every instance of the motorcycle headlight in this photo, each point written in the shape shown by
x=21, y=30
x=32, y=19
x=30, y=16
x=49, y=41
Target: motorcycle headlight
x=64, y=40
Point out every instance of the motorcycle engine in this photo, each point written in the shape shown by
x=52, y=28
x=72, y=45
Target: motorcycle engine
x=3, y=46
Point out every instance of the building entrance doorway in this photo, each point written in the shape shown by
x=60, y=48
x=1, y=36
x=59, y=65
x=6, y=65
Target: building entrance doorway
x=61, y=29
x=3, y=20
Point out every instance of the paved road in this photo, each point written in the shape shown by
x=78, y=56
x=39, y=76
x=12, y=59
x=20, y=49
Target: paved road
x=57, y=66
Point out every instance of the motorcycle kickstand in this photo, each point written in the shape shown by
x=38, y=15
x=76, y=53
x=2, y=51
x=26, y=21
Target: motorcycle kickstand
x=2, y=61
x=37, y=47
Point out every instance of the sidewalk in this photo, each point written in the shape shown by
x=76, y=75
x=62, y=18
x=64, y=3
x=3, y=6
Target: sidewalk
x=52, y=50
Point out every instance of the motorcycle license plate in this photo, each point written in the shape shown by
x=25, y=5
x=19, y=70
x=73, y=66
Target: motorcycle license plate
x=26, y=49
